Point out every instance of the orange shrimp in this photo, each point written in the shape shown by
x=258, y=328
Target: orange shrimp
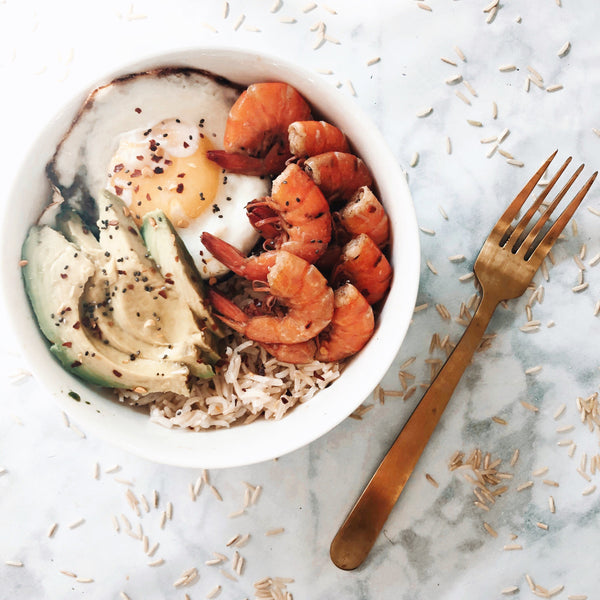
x=296, y=217
x=293, y=282
x=338, y=174
x=365, y=214
x=363, y=264
x=309, y=138
x=256, y=133
x=350, y=329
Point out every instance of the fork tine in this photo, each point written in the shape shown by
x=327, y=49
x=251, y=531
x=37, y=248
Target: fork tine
x=515, y=206
x=557, y=227
x=515, y=238
x=535, y=230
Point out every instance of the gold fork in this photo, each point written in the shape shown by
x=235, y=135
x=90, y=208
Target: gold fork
x=509, y=259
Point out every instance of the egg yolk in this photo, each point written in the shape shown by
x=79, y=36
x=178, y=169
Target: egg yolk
x=172, y=175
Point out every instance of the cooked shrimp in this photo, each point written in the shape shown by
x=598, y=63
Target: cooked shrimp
x=296, y=217
x=363, y=264
x=365, y=214
x=293, y=282
x=256, y=133
x=309, y=138
x=338, y=174
x=350, y=329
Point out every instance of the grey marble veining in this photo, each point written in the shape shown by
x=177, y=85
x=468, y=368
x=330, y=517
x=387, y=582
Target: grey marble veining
x=434, y=544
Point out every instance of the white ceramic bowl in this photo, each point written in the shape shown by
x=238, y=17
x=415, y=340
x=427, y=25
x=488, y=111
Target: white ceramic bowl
x=97, y=412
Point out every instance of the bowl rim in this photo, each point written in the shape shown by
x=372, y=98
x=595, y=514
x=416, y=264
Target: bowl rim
x=282, y=436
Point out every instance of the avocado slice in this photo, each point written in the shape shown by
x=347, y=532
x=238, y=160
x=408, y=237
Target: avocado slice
x=144, y=302
x=176, y=264
x=56, y=276
x=97, y=304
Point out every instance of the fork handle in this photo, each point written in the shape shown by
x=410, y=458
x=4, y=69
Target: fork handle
x=361, y=528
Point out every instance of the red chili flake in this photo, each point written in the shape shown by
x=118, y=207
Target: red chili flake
x=168, y=162
x=132, y=230
x=136, y=189
x=113, y=222
x=119, y=167
x=168, y=274
x=140, y=157
x=138, y=110
x=118, y=190
x=155, y=158
x=117, y=373
x=76, y=325
x=186, y=145
x=121, y=272
x=75, y=363
x=148, y=197
x=136, y=173
x=170, y=281
x=182, y=175
x=180, y=188
x=130, y=286
x=177, y=259
x=68, y=344
x=162, y=293
x=63, y=275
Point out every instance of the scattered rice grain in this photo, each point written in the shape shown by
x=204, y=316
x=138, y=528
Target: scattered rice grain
x=460, y=95
x=524, y=486
x=529, y=406
x=157, y=562
x=589, y=490
x=507, y=68
x=424, y=6
x=550, y=482
x=513, y=547
x=214, y=592
x=554, y=88
x=431, y=480
x=425, y=112
x=490, y=529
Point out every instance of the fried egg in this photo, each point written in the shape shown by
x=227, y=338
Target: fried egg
x=145, y=137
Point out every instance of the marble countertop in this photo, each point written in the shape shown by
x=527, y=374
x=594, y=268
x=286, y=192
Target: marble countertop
x=397, y=59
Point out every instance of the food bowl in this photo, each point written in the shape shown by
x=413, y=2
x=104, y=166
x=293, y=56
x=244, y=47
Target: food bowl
x=96, y=410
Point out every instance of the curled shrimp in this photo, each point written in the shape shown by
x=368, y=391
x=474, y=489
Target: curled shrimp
x=365, y=214
x=363, y=264
x=256, y=132
x=290, y=280
x=296, y=217
x=338, y=174
x=309, y=138
x=350, y=329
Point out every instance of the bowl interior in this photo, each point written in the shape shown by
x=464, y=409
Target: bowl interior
x=97, y=412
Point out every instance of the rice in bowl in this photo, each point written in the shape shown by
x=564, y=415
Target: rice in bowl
x=250, y=384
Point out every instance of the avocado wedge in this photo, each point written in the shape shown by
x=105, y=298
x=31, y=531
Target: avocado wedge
x=56, y=276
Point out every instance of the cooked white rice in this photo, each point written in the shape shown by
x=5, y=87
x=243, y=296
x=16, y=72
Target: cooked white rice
x=251, y=384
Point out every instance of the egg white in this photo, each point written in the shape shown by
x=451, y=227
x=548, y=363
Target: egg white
x=139, y=101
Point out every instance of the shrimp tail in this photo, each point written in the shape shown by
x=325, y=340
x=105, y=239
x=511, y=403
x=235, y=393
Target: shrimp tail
x=253, y=268
x=227, y=311
x=263, y=218
x=237, y=162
